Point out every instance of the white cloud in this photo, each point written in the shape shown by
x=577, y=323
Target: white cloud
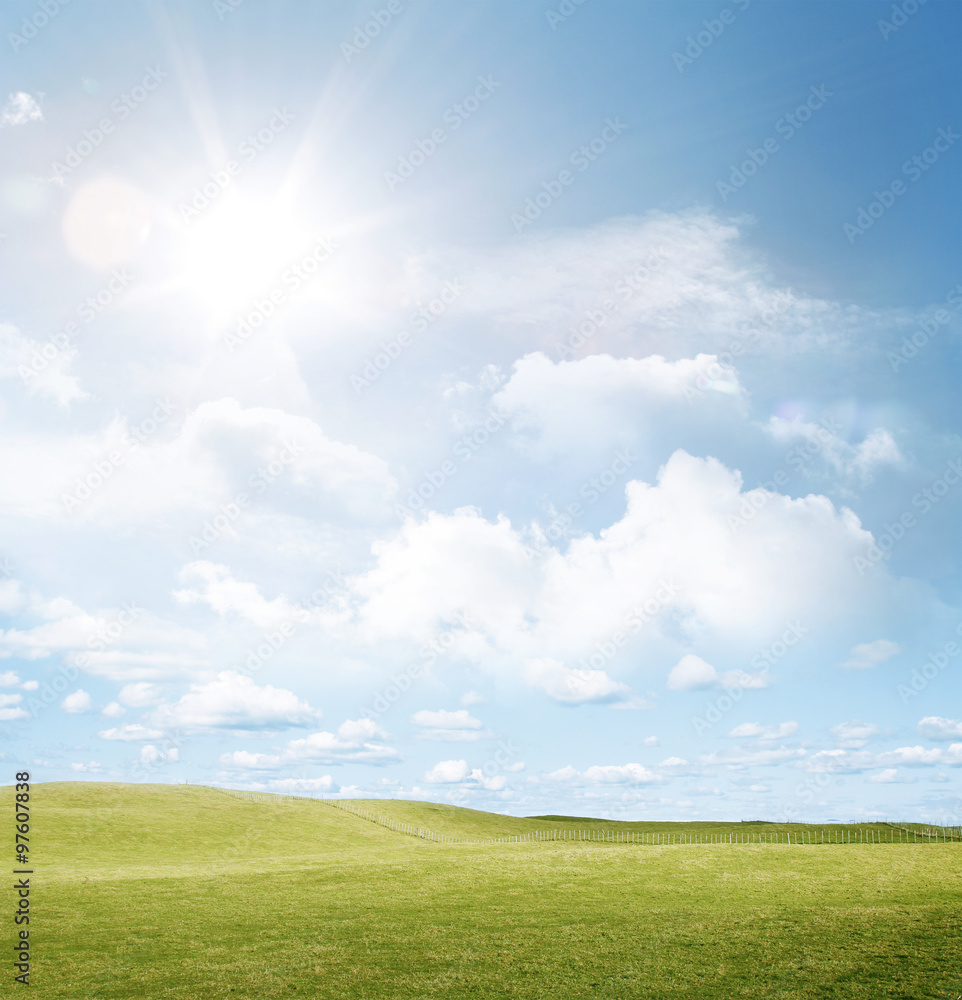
x=234, y=701
x=855, y=734
x=93, y=767
x=459, y=726
x=877, y=449
x=650, y=741
x=149, y=754
x=850, y=761
x=937, y=728
x=54, y=380
x=9, y=678
x=764, y=757
x=755, y=730
x=890, y=776
x=870, y=654
x=448, y=772
x=606, y=774
x=792, y=564
x=573, y=687
x=294, y=785
x=113, y=710
x=470, y=698
x=356, y=740
x=133, y=731
x=691, y=673
x=20, y=109
x=457, y=772
x=140, y=695
x=279, y=461
x=581, y=406
x=8, y=710
x=77, y=703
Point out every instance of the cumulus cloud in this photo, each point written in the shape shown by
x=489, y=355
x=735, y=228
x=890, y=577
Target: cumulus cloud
x=77, y=703
x=793, y=562
x=757, y=731
x=294, y=785
x=20, y=108
x=234, y=701
x=574, y=687
x=764, y=757
x=937, y=728
x=870, y=654
x=17, y=353
x=459, y=726
x=692, y=673
x=9, y=710
x=877, y=449
x=113, y=710
x=558, y=408
x=132, y=732
x=855, y=734
x=140, y=695
x=126, y=643
x=220, y=449
x=605, y=774
x=149, y=754
x=448, y=772
x=356, y=740
x=851, y=761
x=457, y=772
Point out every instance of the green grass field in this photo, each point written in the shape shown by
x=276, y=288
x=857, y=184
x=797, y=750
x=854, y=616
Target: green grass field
x=150, y=891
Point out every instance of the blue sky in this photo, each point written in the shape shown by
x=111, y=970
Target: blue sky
x=535, y=407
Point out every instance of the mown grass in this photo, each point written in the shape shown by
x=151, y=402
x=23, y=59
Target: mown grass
x=182, y=892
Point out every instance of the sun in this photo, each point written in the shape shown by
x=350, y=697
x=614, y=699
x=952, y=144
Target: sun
x=236, y=251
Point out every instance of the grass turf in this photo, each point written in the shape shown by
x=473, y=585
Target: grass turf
x=181, y=892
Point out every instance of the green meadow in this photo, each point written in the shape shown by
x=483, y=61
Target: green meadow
x=161, y=891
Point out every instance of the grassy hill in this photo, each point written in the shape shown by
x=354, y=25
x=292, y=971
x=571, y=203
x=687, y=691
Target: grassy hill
x=148, y=891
